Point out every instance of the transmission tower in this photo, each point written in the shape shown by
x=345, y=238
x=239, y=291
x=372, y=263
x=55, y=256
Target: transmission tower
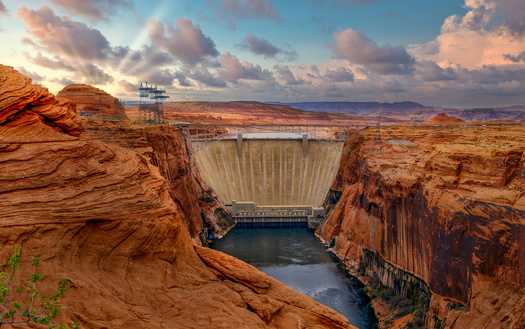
x=151, y=109
x=378, y=144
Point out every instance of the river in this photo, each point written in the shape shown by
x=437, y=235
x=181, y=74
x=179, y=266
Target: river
x=297, y=258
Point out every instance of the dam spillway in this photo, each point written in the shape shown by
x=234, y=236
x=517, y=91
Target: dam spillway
x=270, y=169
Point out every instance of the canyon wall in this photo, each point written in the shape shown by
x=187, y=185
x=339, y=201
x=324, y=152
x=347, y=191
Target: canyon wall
x=444, y=206
x=102, y=215
x=168, y=149
x=270, y=171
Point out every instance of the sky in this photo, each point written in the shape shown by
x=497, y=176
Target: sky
x=448, y=53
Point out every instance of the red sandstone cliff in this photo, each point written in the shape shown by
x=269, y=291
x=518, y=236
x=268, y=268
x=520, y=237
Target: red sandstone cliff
x=168, y=149
x=446, y=206
x=102, y=216
x=92, y=101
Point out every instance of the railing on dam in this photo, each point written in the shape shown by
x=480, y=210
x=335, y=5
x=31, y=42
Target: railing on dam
x=202, y=135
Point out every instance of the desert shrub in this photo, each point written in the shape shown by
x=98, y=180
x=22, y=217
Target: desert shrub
x=22, y=302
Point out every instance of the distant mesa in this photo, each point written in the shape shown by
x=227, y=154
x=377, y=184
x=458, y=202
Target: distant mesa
x=519, y=117
x=92, y=101
x=444, y=119
x=480, y=115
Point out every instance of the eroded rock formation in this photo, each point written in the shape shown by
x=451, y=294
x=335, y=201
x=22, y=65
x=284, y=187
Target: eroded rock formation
x=445, y=206
x=102, y=216
x=31, y=113
x=92, y=101
x=444, y=119
x=168, y=149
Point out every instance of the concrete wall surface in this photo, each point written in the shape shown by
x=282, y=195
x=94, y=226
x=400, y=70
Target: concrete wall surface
x=270, y=172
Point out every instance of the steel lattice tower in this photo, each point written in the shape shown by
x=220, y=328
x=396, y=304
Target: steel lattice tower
x=151, y=109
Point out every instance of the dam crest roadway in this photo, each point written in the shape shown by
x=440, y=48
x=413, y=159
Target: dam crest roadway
x=271, y=175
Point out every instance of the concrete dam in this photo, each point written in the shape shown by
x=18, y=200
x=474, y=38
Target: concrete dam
x=275, y=174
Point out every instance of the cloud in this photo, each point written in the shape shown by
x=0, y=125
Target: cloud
x=63, y=81
x=183, y=79
x=489, y=15
x=491, y=75
x=244, y=9
x=3, y=10
x=517, y=58
x=235, y=70
x=33, y=75
x=93, y=9
x=185, y=42
x=231, y=11
x=341, y=74
x=56, y=63
x=135, y=62
x=430, y=71
x=328, y=89
x=477, y=18
x=93, y=75
x=490, y=33
x=163, y=77
x=357, y=48
x=263, y=47
x=149, y=64
x=61, y=35
x=204, y=76
x=340, y=2
x=287, y=75
x=513, y=12
x=84, y=50
x=128, y=86
x=392, y=86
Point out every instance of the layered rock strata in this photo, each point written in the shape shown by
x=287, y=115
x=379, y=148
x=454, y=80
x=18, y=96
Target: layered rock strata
x=32, y=113
x=102, y=216
x=168, y=148
x=92, y=101
x=445, y=205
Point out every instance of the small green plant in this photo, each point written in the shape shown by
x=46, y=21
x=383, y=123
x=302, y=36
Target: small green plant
x=23, y=303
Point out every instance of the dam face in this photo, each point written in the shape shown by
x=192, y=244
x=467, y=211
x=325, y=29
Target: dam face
x=270, y=172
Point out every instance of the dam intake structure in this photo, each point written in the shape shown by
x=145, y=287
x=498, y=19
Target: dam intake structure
x=269, y=176
x=249, y=215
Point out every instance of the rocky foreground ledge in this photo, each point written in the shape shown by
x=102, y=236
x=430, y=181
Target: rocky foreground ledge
x=102, y=216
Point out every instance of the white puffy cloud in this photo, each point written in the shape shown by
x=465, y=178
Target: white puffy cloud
x=490, y=33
